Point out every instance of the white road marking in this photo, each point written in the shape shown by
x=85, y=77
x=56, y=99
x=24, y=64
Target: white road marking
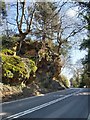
x=88, y=117
x=18, y=100
x=30, y=97
x=58, y=95
x=3, y=113
x=39, y=107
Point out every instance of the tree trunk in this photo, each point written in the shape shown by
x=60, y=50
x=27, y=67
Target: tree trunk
x=19, y=45
x=43, y=41
x=59, y=49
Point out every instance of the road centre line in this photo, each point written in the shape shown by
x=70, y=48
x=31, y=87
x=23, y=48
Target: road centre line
x=38, y=107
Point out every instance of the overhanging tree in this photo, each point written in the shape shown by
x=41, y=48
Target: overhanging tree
x=24, y=19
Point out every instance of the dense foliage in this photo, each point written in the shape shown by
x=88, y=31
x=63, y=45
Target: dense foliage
x=16, y=70
x=86, y=44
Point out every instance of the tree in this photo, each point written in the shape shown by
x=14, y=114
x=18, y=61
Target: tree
x=3, y=12
x=86, y=42
x=24, y=20
x=3, y=16
x=46, y=25
x=85, y=79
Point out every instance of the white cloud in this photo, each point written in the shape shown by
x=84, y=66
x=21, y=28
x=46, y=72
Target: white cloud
x=71, y=12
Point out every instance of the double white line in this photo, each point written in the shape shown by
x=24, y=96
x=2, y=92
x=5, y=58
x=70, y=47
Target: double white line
x=38, y=107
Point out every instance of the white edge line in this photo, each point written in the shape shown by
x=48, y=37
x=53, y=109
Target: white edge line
x=18, y=100
x=39, y=107
x=88, y=117
x=29, y=97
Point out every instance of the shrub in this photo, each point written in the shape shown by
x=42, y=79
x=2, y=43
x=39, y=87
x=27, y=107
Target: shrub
x=16, y=70
x=7, y=52
x=65, y=81
x=8, y=42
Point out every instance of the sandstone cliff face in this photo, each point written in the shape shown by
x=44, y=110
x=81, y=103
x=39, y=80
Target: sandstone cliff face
x=48, y=62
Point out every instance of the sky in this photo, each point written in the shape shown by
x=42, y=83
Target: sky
x=47, y=0
x=76, y=54
x=71, y=12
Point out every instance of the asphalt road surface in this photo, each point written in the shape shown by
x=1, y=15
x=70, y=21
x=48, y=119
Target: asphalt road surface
x=69, y=103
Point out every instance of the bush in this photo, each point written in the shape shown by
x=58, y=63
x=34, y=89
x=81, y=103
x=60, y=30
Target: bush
x=16, y=70
x=65, y=81
x=8, y=42
x=7, y=52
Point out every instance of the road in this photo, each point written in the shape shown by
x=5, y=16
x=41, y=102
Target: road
x=69, y=103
